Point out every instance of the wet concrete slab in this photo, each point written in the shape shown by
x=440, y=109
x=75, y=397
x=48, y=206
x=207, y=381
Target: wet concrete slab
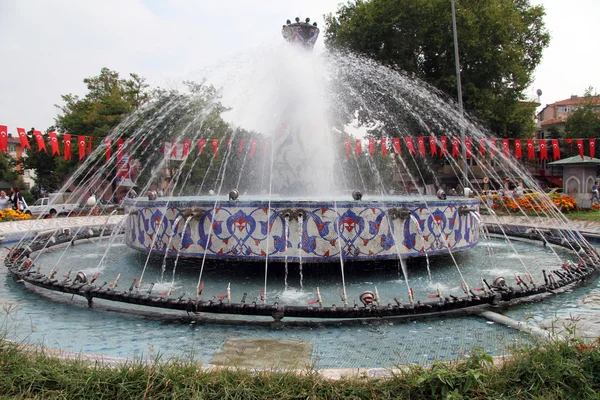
x=281, y=354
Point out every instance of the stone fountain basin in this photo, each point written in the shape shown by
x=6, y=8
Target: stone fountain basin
x=301, y=231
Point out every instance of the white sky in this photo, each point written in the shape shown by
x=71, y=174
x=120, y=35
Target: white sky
x=49, y=46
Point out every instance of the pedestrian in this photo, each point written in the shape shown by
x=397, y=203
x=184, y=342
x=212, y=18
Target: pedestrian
x=18, y=203
x=595, y=193
x=4, y=200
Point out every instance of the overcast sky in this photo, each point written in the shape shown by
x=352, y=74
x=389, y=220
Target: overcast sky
x=49, y=46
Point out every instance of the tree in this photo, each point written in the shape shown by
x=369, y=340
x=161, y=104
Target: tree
x=501, y=43
x=584, y=122
x=8, y=172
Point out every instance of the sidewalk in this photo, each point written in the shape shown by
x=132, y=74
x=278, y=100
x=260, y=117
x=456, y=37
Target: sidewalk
x=12, y=231
x=589, y=227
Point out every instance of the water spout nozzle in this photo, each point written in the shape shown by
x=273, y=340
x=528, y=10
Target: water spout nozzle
x=357, y=195
x=233, y=194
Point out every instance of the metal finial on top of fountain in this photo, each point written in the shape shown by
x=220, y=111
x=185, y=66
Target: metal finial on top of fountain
x=302, y=33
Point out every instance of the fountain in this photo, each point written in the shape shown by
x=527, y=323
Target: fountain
x=306, y=219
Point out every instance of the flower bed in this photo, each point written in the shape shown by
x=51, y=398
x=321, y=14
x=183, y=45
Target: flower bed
x=9, y=214
x=536, y=204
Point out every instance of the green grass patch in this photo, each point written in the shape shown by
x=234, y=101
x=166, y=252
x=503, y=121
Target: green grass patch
x=542, y=370
x=584, y=215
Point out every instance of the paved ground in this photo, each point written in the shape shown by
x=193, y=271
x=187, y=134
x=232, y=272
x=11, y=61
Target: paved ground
x=592, y=227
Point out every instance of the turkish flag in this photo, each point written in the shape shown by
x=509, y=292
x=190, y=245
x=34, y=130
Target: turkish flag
x=201, y=144
x=580, y=148
x=371, y=146
x=266, y=147
x=543, y=150
x=592, y=148
x=421, y=145
x=90, y=144
x=23, y=138
x=518, y=150
x=187, y=143
x=120, y=144
x=443, y=146
x=505, y=147
x=358, y=147
x=54, y=143
x=40, y=141
x=3, y=138
x=81, y=141
x=555, y=149
x=173, y=149
x=67, y=144
x=252, y=148
x=397, y=148
x=384, y=150
x=228, y=144
x=530, y=149
x=482, y=147
x=107, y=143
x=348, y=147
x=241, y=148
x=215, y=147
x=410, y=145
x=493, y=147
x=455, y=144
x=469, y=146
x=569, y=142
x=432, y=146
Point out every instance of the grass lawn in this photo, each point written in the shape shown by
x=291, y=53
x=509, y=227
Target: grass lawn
x=584, y=215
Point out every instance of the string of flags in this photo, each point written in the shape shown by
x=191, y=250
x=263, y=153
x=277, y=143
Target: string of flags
x=530, y=149
x=438, y=146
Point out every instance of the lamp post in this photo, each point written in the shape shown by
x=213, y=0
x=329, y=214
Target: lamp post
x=465, y=167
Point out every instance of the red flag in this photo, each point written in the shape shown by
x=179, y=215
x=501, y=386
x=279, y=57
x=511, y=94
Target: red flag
x=592, y=148
x=358, y=147
x=173, y=148
x=421, y=145
x=3, y=138
x=120, y=144
x=54, y=143
x=107, y=144
x=40, y=141
x=482, y=147
x=252, y=148
x=530, y=149
x=518, y=150
x=455, y=143
x=67, y=144
x=493, y=147
x=201, y=144
x=384, y=150
x=23, y=138
x=555, y=149
x=266, y=147
x=215, y=147
x=371, y=146
x=81, y=141
x=432, y=146
x=396, y=142
x=409, y=144
x=469, y=146
x=347, y=146
x=505, y=147
x=228, y=144
x=187, y=143
x=569, y=142
x=90, y=144
x=443, y=141
x=580, y=148
x=543, y=150
x=241, y=148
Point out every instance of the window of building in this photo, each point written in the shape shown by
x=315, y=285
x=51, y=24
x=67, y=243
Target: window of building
x=12, y=148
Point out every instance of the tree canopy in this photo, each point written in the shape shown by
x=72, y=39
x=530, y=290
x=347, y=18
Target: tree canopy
x=500, y=42
x=584, y=122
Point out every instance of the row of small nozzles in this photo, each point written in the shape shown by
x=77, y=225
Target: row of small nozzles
x=307, y=20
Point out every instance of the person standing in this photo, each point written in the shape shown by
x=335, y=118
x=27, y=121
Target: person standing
x=595, y=193
x=4, y=200
x=16, y=199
